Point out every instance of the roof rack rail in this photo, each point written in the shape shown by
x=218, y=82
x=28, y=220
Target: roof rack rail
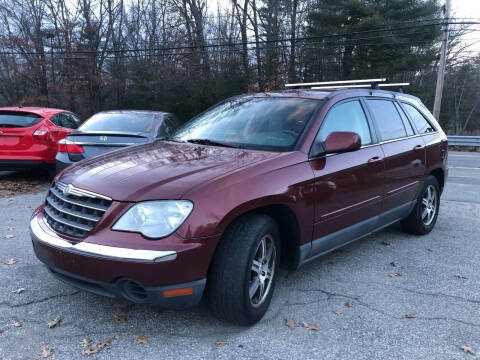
x=340, y=82
x=365, y=86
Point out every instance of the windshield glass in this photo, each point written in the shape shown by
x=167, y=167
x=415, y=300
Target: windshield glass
x=18, y=119
x=120, y=122
x=255, y=123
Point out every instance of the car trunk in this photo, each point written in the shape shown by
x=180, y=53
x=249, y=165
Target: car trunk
x=96, y=143
x=16, y=132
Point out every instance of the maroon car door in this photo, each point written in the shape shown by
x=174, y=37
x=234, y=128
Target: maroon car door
x=404, y=158
x=348, y=186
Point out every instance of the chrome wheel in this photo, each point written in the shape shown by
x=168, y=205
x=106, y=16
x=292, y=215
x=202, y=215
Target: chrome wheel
x=429, y=205
x=262, y=271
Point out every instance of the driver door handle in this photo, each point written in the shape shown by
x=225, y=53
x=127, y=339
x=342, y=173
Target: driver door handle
x=418, y=147
x=375, y=159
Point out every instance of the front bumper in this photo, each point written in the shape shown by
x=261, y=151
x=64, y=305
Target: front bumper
x=133, y=274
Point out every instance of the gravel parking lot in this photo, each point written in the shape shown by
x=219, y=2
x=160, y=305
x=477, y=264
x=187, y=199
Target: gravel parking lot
x=429, y=311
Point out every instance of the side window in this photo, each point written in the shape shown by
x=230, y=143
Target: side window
x=422, y=125
x=76, y=121
x=406, y=122
x=388, y=119
x=56, y=119
x=347, y=116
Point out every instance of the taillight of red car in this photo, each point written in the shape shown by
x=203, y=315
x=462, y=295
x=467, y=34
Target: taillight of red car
x=68, y=147
x=42, y=133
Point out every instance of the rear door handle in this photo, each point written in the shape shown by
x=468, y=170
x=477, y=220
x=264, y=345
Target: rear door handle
x=418, y=147
x=374, y=159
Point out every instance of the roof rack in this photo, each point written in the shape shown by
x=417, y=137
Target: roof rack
x=349, y=84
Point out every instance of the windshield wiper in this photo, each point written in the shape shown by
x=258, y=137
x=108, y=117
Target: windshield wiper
x=209, y=142
x=171, y=138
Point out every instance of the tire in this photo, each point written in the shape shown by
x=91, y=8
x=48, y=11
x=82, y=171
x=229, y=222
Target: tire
x=417, y=222
x=232, y=272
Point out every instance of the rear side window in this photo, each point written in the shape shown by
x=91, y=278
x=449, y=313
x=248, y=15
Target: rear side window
x=406, y=122
x=14, y=119
x=65, y=120
x=348, y=116
x=388, y=119
x=422, y=125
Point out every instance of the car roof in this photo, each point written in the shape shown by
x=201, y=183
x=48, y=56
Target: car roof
x=42, y=111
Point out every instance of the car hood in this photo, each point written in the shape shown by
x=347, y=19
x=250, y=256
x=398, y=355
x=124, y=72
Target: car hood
x=157, y=170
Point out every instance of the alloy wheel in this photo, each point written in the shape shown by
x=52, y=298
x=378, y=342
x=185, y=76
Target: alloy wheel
x=429, y=205
x=262, y=270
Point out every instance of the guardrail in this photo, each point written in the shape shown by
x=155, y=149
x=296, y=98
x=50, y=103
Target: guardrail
x=458, y=140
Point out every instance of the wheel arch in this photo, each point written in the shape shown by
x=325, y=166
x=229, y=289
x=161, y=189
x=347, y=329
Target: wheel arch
x=439, y=174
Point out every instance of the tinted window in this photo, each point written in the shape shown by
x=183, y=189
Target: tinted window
x=348, y=116
x=406, y=122
x=18, y=119
x=65, y=120
x=123, y=122
x=388, y=119
x=258, y=123
x=422, y=125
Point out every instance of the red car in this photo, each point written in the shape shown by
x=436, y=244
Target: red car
x=29, y=135
x=255, y=182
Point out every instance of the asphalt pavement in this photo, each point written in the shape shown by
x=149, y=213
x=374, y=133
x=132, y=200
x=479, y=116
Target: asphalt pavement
x=429, y=311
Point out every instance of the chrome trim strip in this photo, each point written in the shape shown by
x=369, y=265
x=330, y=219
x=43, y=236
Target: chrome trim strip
x=401, y=188
x=85, y=143
x=407, y=137
x=80, y=192
x=108, y=252
x=60, y=196
x=64, y=222
x=52, y=204
x=351, y=206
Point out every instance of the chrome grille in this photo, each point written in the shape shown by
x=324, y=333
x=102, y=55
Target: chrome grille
x=73, y=211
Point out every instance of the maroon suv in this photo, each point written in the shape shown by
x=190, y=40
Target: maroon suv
x=252, y=183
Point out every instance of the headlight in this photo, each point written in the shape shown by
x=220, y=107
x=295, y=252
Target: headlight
x=155, y=219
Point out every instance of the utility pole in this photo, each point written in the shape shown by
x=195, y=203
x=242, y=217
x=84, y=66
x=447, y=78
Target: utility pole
x=441, y=66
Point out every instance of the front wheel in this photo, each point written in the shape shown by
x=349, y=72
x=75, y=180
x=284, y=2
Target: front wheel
x=244, y=270
x=424, y=215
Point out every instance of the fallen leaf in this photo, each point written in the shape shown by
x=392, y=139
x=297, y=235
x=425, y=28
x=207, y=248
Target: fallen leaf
x=10, y=261
x=395, y=274
x=467, y=349
x=118, y=319
x=11, y=228
x=221, y=342
x=410, y=316
x=310, y=326
x=46, y=352
x=85, y=342
x=18, y=291
x=130, y=332
x=141, y=339
x=361, y=317
x=430, y=249
x=386, y=243
x=16, y=324
x=336, y=312
x=350, y=304
x=116, y=336
x=461, y=276
x=395, y=263
x=96, y=349
x=290, y=323
x=9, y=236
x=54, y=323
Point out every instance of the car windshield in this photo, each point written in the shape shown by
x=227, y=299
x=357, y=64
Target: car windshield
x=125, y=122
x=18, y=119
x=255, y=123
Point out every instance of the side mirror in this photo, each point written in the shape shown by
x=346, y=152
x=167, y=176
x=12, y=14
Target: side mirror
x=342, y=141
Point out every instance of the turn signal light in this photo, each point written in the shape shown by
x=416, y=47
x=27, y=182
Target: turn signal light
x=178, y=292
x=66, y=146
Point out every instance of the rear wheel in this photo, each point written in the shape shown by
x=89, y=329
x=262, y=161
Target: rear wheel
x=243, y=273
x=424, y=215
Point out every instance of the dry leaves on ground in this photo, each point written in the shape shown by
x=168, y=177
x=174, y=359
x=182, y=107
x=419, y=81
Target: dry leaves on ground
x=46, y=352
x=310, y=326
x=410, y=316
x=336, y=312
x=350, y=304
x=463, y=277
x=9, y=236
x=386, y=243
x=95, y=349
x=10, y=261
x=395, y=274
x=141, y=339
x=290, y=323
x=16, y=323
x=430, y=249
x=467, y=349
x=22, y=186
x=395, y=263
x=85, y=342
x=18, y=291
x=54, y=323
x=221, y=342
x=118, y=319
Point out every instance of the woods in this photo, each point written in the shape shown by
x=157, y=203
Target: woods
x=182, y=56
